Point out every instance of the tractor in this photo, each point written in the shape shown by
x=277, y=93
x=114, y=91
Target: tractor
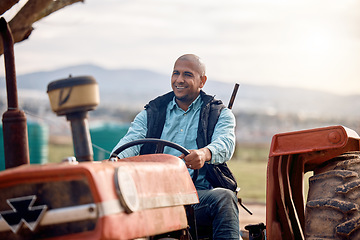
x=150, y=196
x=135, y=198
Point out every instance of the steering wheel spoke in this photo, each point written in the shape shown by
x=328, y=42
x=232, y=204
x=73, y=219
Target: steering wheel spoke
x=160, y=148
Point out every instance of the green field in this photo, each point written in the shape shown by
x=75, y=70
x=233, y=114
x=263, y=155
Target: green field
x=58, y=152
x=251, y=177
x=248, y=165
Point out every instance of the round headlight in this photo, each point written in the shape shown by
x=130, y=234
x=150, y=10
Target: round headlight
x=126, y=190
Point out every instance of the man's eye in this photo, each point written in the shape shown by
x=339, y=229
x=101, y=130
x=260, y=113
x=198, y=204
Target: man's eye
x=175, y=73
x=188, y=74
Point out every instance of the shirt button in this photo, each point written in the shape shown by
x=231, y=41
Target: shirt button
x=181, y=130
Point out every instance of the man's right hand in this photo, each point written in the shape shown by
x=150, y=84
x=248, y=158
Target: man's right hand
x=197, y=158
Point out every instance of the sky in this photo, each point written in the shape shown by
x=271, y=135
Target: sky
x=313, y=44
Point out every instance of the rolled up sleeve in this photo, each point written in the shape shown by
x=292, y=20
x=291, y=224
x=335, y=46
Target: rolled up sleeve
x=222, y=144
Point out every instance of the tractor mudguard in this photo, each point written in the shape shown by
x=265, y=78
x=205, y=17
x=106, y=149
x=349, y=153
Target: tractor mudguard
x=291, y=156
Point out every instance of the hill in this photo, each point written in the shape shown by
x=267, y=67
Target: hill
x=264, y=109
x=134, y=87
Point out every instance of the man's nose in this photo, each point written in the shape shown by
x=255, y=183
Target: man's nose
x=180, y=78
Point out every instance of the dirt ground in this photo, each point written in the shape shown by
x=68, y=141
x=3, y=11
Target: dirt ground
x=258, y=216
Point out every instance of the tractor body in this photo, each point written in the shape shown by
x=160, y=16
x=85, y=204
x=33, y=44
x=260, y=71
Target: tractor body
x=139, y=197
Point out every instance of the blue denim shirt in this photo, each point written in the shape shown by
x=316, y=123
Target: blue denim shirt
x=181, y=128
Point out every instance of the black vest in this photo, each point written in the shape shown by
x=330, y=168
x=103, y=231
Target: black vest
x=156, y=116
x=217, y=175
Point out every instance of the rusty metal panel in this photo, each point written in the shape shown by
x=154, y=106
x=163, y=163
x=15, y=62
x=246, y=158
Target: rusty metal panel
x=310, y=140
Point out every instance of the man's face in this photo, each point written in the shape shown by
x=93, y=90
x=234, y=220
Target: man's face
x=186, y=81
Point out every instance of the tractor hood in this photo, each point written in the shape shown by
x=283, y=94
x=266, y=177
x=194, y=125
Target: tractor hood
x=135, y=197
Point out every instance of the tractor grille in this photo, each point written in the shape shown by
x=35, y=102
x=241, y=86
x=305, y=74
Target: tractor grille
x=62, y=199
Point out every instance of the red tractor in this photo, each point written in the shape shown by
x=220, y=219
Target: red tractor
x=140, y=197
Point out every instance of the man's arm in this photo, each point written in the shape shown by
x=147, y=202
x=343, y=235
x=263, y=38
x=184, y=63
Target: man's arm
x=222, y=144
x=137, y=130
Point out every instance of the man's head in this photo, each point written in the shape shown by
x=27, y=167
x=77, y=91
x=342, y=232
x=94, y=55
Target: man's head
x=188, y=77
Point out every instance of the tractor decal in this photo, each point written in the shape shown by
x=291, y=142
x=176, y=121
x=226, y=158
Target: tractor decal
x=23, y=211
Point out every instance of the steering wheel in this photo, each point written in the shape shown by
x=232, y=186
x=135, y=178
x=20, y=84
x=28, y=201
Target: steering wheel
x=160, y=145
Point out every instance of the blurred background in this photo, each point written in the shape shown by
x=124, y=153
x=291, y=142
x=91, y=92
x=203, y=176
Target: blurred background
x=297, y=63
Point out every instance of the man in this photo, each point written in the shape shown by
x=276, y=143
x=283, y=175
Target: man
x=189, y=117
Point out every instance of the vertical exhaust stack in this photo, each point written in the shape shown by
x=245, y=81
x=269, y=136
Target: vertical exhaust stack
x=15, y=135
x=74, y=97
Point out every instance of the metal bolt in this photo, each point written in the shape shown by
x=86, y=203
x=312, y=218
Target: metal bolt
x=334, y=137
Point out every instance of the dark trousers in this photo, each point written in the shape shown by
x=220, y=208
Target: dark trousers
x=218, y=207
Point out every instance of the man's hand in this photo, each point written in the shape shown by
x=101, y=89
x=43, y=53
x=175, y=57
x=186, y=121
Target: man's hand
x=197, y=158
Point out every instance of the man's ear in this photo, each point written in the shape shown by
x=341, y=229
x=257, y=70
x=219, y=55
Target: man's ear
x=203, y=81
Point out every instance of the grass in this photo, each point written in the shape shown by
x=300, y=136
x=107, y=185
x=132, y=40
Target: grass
x=251, y=178
x=58, y=152
x=252, y=152
x=249, y=168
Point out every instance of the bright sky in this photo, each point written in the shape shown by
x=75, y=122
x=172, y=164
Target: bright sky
x=304, y=43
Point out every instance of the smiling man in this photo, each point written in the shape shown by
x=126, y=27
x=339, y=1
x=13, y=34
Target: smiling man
x=189, y=117
x=187, y=79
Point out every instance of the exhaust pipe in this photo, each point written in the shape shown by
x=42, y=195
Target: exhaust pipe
x=15, y=135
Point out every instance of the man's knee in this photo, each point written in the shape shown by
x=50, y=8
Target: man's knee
x=216, y=201
x=225, y=195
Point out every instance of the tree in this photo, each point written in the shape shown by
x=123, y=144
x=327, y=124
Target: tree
x=31, y=12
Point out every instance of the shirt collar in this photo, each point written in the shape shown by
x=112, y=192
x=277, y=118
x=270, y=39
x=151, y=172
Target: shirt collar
x=194, y=105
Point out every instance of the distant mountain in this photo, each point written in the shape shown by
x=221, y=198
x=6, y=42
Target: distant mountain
x=132, y=88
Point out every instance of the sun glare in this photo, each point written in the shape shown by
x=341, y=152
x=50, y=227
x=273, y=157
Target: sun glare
x=317, y=41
